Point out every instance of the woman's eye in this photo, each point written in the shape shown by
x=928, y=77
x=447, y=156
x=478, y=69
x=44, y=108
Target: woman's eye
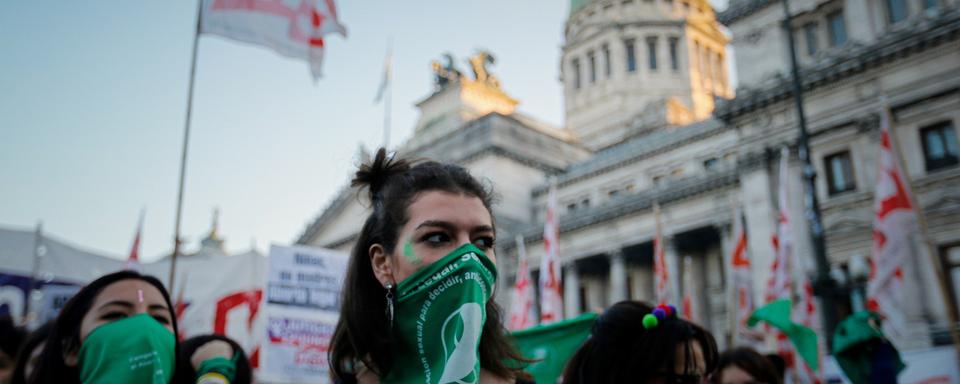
x=113, y=315
x=484, y=242
x=437, y=238
x=162, y=319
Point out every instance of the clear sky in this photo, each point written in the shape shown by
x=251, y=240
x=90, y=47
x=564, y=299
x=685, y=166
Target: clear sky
x=93, y=98
x=93, y=95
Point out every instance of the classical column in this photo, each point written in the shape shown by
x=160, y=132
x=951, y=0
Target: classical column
x=618, y=276
x=571, y=290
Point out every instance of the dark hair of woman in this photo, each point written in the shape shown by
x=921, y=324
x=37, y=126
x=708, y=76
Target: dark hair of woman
x=751, y=362
x=34, y=339
x=187, y=374
x=363, y=334
x=621, y=350
x=65, y=335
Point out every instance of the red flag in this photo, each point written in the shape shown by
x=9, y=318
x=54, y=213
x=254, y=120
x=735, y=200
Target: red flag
x=521, y=307
x=893, y=225
x=295, y=29
x=133, y=260
x=551, y=299
x=660, y=270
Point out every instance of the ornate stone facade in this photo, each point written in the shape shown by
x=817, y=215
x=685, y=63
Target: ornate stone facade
x=623, y=147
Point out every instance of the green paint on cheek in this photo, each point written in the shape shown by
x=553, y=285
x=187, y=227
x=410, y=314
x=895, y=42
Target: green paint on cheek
x=409, y=254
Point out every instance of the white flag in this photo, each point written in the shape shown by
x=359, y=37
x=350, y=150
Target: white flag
x=290, y=28
x=893, y=225
x=551, y=300
x=521, y=307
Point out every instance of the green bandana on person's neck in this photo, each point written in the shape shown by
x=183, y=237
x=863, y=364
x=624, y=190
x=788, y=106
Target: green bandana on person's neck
x=439, y=319
x=137, y=349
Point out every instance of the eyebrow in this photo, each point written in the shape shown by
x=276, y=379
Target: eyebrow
x=449, y=226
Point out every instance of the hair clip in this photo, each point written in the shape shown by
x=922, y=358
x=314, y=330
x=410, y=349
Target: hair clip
x=659, y=314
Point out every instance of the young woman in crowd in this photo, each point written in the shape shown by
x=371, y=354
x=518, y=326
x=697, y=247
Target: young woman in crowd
x=418, y=295
x=118, y=329
x=744, y=365
x=632, y=342
x=11, y=338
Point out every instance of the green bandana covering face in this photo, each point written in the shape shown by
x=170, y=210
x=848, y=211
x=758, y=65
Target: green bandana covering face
x=137, y=349
x=439, y=319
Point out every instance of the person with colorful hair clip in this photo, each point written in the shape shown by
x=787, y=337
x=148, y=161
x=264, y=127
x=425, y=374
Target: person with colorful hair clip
x=633, y=342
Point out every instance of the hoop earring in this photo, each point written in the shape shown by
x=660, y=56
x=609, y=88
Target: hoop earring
x=389, y=296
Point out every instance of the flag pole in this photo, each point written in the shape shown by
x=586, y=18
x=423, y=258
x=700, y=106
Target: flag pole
x=34, y=271
x=389, y=91
x=954, y=326
x=186, y=142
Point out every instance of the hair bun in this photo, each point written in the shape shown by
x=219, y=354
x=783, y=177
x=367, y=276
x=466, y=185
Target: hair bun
x=375, y=175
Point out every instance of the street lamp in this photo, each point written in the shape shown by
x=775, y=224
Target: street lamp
x=859, y=273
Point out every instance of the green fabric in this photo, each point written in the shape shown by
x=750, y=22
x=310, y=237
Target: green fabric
x=137, y=349
x=439, y=319
x=552, y=345
x=855, y=341
x=221, y=365
x=777, y=314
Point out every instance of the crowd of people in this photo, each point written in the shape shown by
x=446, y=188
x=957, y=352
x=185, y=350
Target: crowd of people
x=417, y=306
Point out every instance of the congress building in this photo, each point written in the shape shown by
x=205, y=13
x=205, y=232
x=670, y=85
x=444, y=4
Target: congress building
x=652, y=119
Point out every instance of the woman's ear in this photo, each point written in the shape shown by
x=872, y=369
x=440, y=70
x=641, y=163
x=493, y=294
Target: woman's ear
x=382, y=264
x=71, y=353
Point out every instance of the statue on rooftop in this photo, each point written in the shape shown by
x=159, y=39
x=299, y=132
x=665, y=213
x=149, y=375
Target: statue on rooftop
x=446, y=73
x=479, y=63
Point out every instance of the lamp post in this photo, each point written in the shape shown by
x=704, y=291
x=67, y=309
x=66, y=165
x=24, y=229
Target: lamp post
x=824, y=286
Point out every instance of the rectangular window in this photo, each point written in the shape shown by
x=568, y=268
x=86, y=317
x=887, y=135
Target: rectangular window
x=674, y=60
x=592, y=60
x=652, y=52
x=810, y=37
x=631, y=55
x=837, y=28
x=939, y=145
x=839, y=173
x=710, y=164
x=575, y=67
x=606, y=61
x=896, y=11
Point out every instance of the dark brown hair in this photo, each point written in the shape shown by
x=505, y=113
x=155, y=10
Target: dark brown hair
x=363, y=334
x=65, y=335
x=752, y=362
x=621, y=350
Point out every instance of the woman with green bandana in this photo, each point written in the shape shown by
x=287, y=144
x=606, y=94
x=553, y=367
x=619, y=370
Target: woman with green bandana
x=118, y=329
x=417, y=302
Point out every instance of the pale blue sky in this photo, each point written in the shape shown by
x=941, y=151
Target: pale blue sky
x=93, y=95
x=93, y=101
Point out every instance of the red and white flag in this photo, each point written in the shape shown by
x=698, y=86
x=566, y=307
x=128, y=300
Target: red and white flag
x=893, y=225
x=521, y=307
x=133, y=260
x=690, y=296
x=551, y=300
x=805, y=313
x=661, y=273
x=778, y=287
x=741, y=276
x=289, y=27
